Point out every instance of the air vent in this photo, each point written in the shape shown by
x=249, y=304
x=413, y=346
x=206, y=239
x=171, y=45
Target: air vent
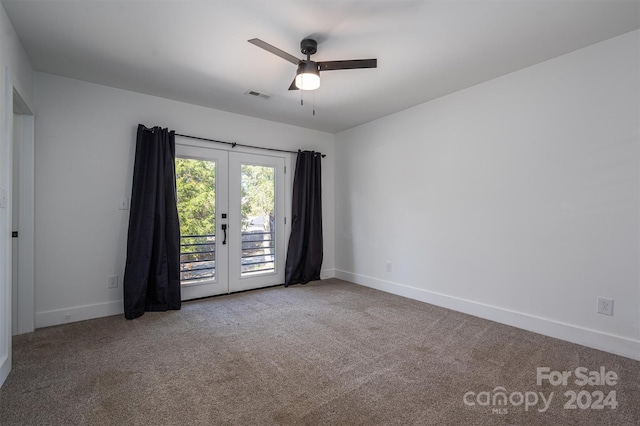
x=257, y=94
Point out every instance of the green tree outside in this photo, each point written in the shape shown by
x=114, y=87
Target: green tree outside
x=196, y=183
x=257, y=194
x=196, y=190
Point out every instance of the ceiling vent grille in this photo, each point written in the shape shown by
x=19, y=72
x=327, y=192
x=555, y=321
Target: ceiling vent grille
x=257, y=94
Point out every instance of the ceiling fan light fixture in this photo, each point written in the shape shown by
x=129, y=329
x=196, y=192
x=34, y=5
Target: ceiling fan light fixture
x=308, y=76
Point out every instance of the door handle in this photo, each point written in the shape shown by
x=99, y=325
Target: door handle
x=224, y=228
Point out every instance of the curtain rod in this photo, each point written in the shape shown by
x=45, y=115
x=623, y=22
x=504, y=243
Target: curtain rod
x=234, y=144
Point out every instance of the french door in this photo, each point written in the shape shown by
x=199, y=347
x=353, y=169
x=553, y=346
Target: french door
x=232, y=223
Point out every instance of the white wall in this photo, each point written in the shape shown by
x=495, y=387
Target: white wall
x=15, y=74
x=15, y=58
x=85, y=143
x=516, y=199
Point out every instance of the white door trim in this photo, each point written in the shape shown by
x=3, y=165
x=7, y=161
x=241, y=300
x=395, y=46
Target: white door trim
x=25, y=198
x=26, y=225
x=5, y=230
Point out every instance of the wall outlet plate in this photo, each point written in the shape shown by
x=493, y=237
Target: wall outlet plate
x=123, y=203
x=112, y=281
x=605, y=306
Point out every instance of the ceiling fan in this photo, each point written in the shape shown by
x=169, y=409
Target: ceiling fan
x=308, y=74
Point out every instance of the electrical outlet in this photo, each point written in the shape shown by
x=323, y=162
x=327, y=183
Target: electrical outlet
x=605, y=306
x=67, y=316
x=389, y=267
x=123, y=203
x=112, y=281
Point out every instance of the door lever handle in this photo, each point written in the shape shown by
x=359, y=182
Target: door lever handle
x=224, y=228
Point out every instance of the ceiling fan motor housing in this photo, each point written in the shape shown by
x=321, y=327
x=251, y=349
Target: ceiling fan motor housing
x=308, y=73
x=308, y=46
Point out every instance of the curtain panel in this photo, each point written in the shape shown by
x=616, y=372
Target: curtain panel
x=152, y=270
x=304, y=254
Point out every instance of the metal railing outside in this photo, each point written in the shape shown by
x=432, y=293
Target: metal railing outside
x=258, y=252
x=198, y=255
x=197, y=258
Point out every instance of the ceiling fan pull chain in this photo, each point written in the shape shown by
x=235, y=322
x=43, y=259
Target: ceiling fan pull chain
x=314, y=103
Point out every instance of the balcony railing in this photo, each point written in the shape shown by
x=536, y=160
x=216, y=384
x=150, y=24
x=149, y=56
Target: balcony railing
x=198, y=256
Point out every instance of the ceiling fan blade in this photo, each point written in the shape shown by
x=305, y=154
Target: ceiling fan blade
x=269, y=48
x=348, y=65
x=293, y=85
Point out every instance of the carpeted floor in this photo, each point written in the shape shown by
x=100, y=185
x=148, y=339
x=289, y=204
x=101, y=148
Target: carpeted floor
x=329, y=352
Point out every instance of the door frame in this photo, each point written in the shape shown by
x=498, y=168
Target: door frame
x=288, y=158
x=25, y=145
x=13, y=101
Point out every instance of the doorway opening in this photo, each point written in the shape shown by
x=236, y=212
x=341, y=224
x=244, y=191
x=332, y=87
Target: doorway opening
x=231, y=207
x=23, y=218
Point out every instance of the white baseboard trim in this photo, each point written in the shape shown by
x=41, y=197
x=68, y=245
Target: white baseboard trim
x=575, y=334
x=325, y=274
x=78, y=313
x=5, y=367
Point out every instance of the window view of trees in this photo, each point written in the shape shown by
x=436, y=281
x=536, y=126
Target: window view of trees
x=257, y=197
x=257, y=208
x=196, y=184
x=196, y=189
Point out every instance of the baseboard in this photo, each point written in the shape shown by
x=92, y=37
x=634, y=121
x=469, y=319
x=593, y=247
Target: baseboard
x=325, y=274
x=78, y=313
x=587, y=337
x=98, y=310
x=5, y=368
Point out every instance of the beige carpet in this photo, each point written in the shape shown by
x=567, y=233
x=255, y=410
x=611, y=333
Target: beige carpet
x=329, y=352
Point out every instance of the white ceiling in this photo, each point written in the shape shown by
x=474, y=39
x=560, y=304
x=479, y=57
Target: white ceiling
x=197, y=51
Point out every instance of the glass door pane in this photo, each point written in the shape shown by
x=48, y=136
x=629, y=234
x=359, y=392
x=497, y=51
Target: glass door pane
x=201, y=185
x=196, y=187
x=257, y=207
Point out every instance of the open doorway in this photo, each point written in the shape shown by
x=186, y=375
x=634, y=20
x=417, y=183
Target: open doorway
x=16, y=113
x=22, y=209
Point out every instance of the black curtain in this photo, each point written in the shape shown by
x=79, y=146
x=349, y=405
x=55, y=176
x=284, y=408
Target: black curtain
x=152, y=271
x=304, y=256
